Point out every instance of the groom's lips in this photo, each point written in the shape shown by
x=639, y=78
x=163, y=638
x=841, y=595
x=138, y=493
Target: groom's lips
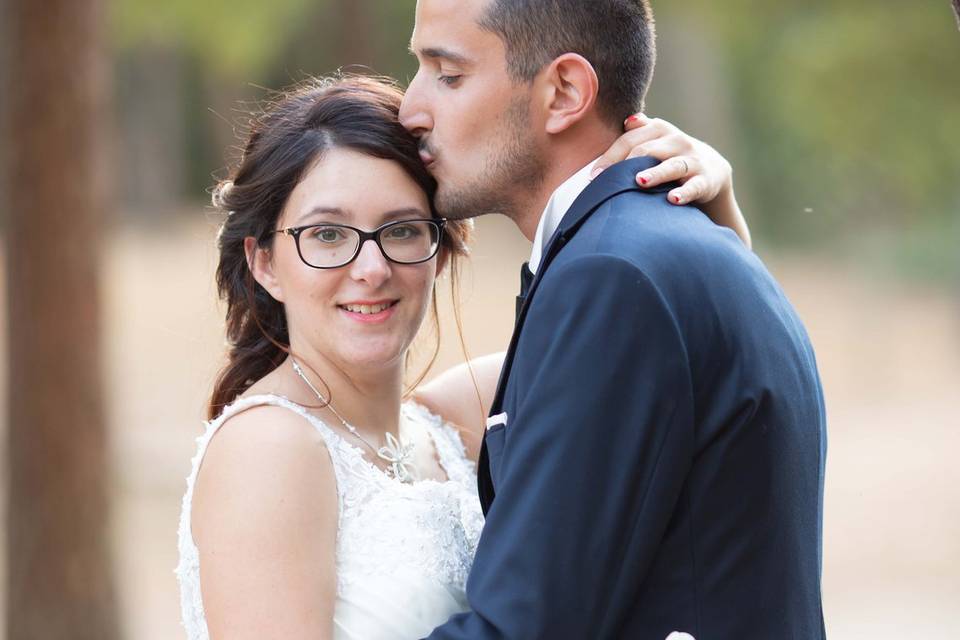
x=427, y=158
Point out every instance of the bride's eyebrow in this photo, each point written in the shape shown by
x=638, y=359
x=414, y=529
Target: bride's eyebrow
x=406, y=212
x=334, y=211
x=387, y=216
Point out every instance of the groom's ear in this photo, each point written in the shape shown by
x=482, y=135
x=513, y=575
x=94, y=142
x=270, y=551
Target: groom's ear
x=568, y=89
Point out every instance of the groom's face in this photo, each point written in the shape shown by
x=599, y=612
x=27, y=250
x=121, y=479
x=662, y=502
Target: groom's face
x=472, y=120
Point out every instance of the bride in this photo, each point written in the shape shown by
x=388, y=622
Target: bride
x=321, y=504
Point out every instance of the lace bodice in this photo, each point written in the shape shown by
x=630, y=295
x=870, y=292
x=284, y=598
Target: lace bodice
x=403, y=550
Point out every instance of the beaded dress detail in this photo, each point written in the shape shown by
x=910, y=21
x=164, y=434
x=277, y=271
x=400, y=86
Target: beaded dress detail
x=403, y=549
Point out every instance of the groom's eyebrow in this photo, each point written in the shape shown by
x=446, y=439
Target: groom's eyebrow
x=439, y=53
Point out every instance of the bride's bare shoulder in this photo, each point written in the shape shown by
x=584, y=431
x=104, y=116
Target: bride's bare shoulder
x=265, y=505
x=256, y=453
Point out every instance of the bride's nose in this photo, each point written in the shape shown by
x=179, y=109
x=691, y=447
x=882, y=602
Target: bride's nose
x=370, y=266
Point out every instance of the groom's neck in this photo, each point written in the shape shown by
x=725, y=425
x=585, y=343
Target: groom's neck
x=564, y=156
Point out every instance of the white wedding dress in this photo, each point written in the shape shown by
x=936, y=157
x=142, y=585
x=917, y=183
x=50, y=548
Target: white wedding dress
x=403, y=550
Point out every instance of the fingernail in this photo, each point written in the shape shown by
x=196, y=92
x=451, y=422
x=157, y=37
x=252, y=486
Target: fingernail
x=676, y=199
x=631, y=119
x=643, y=179
x=597, y=170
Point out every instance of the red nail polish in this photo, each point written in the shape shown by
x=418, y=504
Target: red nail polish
x=643, y=180
x=676, y=199
x=631, y=119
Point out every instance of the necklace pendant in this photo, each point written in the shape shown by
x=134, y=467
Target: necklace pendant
x=399, y=455
x=401, y=473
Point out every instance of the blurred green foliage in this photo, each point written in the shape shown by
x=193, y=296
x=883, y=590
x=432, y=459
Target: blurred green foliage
x=241, y=38
x=853, y=107
x=843, y=118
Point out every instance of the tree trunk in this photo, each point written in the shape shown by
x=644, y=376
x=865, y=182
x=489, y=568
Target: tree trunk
x=355, y=45
x=58, y=552
x=152, y=149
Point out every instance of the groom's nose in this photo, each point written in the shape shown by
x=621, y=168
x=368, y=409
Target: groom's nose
x=414, y=115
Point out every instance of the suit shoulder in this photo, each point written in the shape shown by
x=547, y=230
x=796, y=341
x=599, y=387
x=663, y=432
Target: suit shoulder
x=646, y=230
x=575, y=274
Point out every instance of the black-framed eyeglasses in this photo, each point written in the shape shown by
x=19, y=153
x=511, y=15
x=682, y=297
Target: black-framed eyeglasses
x=328, y=245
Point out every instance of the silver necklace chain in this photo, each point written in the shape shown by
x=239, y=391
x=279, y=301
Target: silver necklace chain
x=396, y=452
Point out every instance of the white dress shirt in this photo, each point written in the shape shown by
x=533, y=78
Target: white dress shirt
x=560, y=201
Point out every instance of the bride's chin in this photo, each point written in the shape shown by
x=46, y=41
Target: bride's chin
x=377, y=359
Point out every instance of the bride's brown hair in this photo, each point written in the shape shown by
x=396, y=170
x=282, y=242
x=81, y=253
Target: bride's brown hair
x=286, y=139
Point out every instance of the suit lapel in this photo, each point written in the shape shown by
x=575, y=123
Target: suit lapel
x=614, y=180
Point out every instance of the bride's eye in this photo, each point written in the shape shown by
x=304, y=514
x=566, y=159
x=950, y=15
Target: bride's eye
x=327, y=235
x=403, y=232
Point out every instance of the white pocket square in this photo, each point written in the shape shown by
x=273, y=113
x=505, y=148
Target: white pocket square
x=500, y=418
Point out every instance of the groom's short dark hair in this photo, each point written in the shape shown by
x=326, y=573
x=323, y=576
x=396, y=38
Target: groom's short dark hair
x=616, y=36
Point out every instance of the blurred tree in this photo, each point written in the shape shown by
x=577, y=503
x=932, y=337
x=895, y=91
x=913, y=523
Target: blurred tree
x=181, y=67
x=184, y=68
x=150, y=86
x=842, y=110
x=355, y=32
x=239, y=38
x=59, y=582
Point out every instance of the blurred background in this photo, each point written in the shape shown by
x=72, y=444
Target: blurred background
x=842, y=122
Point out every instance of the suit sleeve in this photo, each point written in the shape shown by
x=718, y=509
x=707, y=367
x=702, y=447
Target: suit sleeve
x=594, y=459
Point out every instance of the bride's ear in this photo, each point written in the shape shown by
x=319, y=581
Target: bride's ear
x=443, y=259
x=260, y=263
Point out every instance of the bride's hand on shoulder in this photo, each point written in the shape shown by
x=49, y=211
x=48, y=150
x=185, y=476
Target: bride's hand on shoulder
x=705, y=176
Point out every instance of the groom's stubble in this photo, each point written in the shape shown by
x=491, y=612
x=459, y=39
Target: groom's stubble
x=514, y=168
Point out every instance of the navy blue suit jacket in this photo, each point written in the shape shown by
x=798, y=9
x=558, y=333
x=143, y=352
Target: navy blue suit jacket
x=661, y=466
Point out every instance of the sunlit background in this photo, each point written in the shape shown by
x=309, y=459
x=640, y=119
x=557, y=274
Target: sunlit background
x=842, y=122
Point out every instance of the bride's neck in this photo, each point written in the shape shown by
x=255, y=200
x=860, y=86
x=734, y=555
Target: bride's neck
x=367, y=399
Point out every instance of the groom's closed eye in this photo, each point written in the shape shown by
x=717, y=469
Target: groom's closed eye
x=449, y=80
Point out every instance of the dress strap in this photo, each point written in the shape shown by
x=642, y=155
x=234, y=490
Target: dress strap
x=275, y=400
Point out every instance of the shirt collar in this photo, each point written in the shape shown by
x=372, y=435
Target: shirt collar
x=560, y=201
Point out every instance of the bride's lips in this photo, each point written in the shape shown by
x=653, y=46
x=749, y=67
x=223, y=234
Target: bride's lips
x=369, y=311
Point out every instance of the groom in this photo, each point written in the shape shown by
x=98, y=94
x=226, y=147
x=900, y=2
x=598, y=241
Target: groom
x=655, y=453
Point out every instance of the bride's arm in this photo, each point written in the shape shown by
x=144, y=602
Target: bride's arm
x=464, y=398
x=268, y=563
x=705, y=176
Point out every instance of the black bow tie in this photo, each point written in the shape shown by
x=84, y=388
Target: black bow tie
x=526, y=279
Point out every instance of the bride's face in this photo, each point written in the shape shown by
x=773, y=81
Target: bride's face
x=333, y=313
